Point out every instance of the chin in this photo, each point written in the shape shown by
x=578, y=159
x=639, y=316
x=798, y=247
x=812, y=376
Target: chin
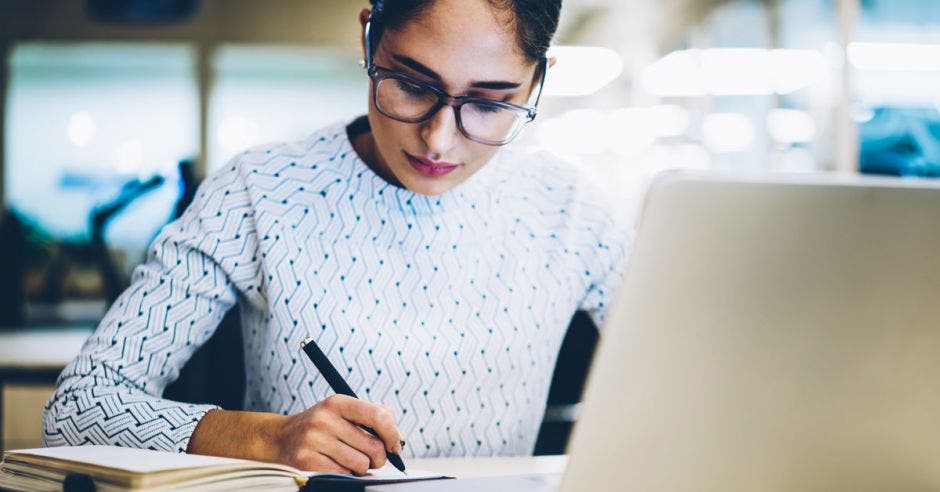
x=429, y=187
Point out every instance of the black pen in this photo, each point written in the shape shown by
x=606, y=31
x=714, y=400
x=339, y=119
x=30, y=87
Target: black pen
x=339, y=385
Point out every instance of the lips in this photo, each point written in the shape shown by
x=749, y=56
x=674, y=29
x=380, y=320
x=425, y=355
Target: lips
x=428, y=167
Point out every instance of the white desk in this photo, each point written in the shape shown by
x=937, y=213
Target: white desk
x=40, y=349
x=491, y=466
x=474, y=474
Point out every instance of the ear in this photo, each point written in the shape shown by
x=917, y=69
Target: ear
x=364, y=16
x=551, y=61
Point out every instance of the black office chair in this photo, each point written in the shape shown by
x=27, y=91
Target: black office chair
x=222, y=355
x=564, y=394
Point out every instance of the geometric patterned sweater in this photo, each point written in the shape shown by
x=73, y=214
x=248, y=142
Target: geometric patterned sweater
x=450, y=309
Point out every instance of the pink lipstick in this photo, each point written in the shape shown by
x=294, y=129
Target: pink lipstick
x=428, y=167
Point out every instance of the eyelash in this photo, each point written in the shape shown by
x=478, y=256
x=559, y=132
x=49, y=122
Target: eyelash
x=505, y=98
x=486, y=109
x=411, y=88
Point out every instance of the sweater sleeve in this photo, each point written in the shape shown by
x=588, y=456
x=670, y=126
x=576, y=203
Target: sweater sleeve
x=197, y=268
x=601, y=249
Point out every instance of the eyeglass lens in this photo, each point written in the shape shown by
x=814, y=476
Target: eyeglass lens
x=407, y=101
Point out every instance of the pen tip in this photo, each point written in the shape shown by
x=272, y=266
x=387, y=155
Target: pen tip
x=397, y=462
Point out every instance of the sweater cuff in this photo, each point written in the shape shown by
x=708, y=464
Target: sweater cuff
x=183, y=432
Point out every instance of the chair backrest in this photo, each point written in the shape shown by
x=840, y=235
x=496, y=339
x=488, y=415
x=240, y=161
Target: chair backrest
x=216, y=372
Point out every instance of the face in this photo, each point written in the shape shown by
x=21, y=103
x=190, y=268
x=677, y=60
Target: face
x=463, y=47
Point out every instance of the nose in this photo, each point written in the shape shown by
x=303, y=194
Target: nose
x=440, y=131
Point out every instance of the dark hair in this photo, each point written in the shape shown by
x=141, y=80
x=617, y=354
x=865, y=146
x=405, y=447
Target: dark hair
x=534, y=21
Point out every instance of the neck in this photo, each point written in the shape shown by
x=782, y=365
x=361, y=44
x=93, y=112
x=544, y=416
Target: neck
x=363, y=142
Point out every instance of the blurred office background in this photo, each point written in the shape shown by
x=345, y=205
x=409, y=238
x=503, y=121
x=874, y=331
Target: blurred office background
x=114, y=110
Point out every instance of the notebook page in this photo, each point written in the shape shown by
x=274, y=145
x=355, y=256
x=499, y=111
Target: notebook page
x=144, y=461
x=130, y=459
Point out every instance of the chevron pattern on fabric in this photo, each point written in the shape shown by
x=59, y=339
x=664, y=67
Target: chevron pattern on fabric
x=450, y=309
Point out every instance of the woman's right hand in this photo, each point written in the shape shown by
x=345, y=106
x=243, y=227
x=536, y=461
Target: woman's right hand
x=326, y=437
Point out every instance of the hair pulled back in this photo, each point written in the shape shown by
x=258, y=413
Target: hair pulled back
x=534, y=21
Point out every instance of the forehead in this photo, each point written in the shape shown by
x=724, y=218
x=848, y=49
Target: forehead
x=461, y=38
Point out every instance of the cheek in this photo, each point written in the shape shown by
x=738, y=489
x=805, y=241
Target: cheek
x=390, y=136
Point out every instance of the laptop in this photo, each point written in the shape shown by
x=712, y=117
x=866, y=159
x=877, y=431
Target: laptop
x=771, y=333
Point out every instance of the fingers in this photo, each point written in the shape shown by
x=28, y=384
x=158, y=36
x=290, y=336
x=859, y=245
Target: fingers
x=323, y=463
x=331, y=429
x=347, y=457
x=379, y=418
x=364, y=442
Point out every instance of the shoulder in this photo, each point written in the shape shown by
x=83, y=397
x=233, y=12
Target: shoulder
x=320, y=155
x=274, y=171
x=324, y=145
x=546, y=180
x=583, y=213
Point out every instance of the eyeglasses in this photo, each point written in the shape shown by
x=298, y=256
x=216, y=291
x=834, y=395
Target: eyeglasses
x=481, y=120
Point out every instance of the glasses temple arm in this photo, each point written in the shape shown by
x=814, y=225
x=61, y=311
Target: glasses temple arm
x=372, y=32
x=543, y=70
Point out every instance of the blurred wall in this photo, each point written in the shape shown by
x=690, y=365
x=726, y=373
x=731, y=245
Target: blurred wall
x=316, y=21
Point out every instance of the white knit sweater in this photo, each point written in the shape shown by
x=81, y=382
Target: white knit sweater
x=450, y=309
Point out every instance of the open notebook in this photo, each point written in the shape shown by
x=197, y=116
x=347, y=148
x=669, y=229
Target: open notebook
x=119, y=468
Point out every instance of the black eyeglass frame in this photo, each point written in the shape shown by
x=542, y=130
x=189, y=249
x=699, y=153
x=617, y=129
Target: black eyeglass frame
x=377, y=74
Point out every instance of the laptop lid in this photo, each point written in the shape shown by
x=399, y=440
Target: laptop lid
x=777, y=333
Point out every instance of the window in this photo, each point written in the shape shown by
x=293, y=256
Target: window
x=896, y=62
x=266, y=93
x=85, y=123
x=84, y=119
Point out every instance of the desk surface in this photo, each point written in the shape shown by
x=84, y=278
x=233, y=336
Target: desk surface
x=491, y=466
x=41, y=348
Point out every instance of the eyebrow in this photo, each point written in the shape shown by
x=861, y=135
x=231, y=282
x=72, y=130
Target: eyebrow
x=498, y=85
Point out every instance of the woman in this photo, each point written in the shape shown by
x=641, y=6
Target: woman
x=434, y=265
